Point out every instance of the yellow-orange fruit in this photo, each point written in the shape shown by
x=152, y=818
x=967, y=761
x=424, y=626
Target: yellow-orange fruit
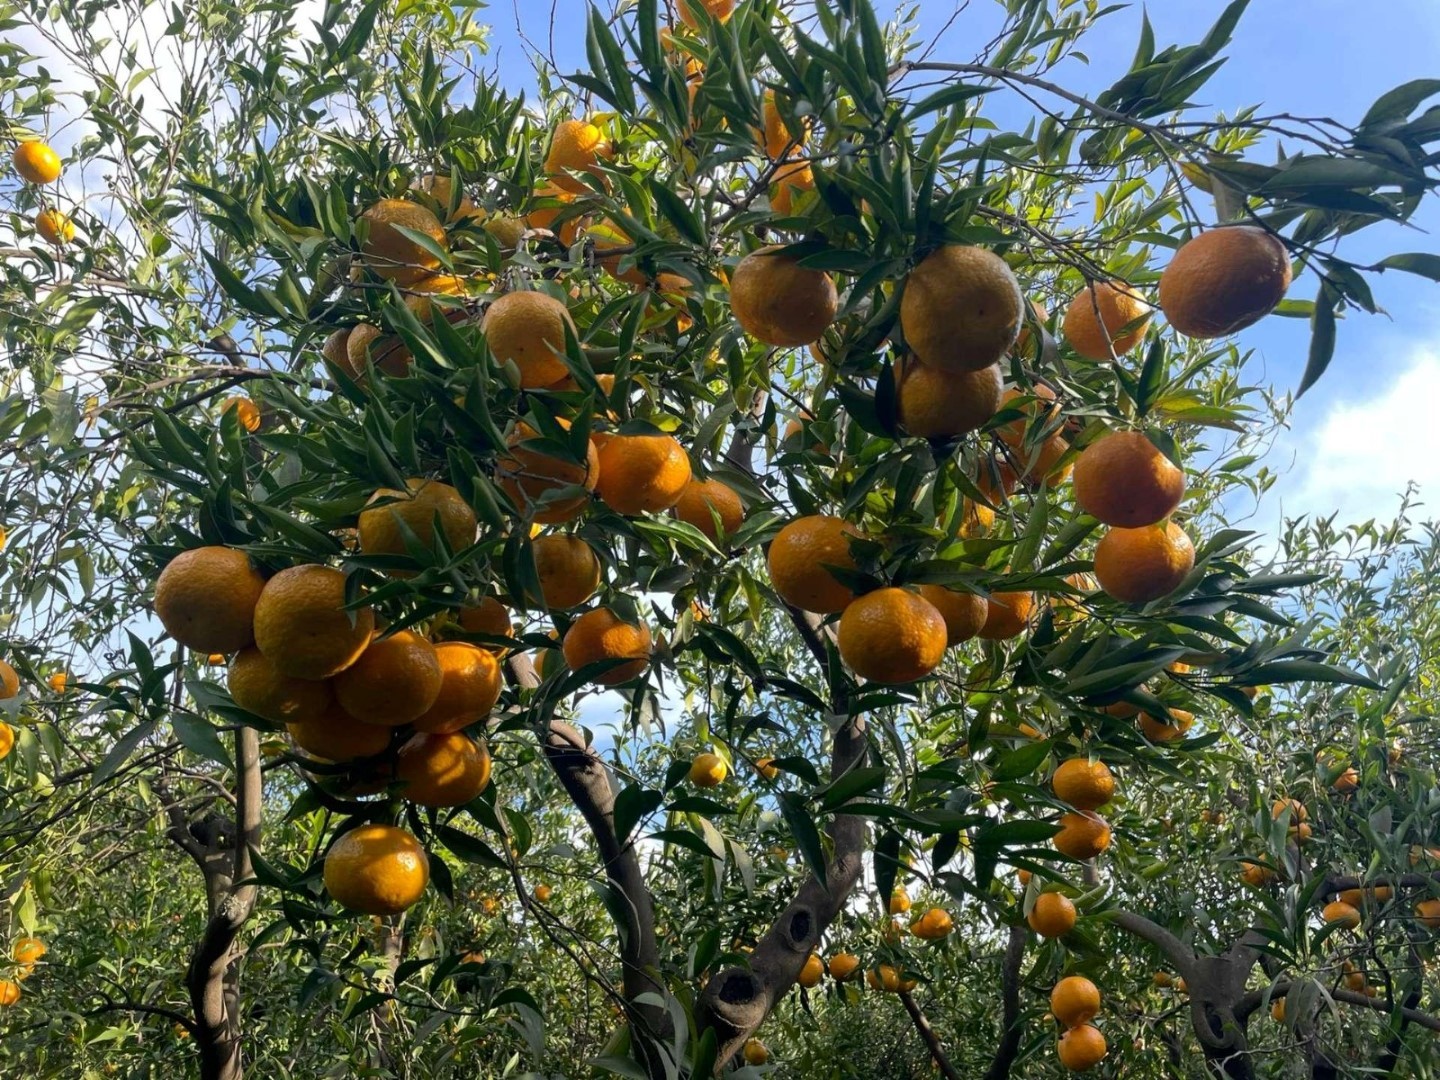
x=640, y=473
x=1119, y=305
x=702, y=501
x=1075, y=1000
x=534, y=478
x=779, y=302
x=1081, y=1048
x=575, y=145
x=9, y=681
x=812, y=971
x=964, y=612
x=1342, y=914
x=257, y=686
x=708, y=770
x=1007, y=614
x=934, y=925
x=1224, y=280
x=528, y=329
x=933, y=403
x=568, y=569
x=54, y=227
x=843, y=966
x=36, y=162
x=442, y=770
x=9, y=992
x=693, y=12
x=602, y=635
x=247, y=413
x=544, y=217
x=391, y=513
x=961, y=309
x=1347, y=782
x=206, y=599
x=777, y=136
x=1428, y=912
x=302, y=627
x=488, y=617
x=1082, y=835
x=755, y=1052
x=1052, y=916
x=394, y=681
x=335, y=735
x=376, y=870
x=1125, y=481
x=798, y=560
x=470, y=684
x=7, y=740
x=1137, y=566
x=1084, y=784
x=392, y=255
x=892, y=636
x=1157, y=730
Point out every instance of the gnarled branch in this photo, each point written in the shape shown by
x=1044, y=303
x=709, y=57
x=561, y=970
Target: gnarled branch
x=1010, y=1026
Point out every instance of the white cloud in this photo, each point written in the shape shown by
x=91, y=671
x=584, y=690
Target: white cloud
x=1359, y=456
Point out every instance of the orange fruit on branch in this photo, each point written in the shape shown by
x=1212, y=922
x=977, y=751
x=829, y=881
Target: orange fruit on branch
x=489, y=617
x=798, y=560
x=1125, y=481
x=934, y=925
x=843, y=966
x=1082, y=835
x=601, y=635
x=1075, y=1000
x=777, y=137
x=302, y=626
x=702, y=501
x=335, y=735
x=442, y=769
x=9, y=681
x=9, y=992
x=1137, y=566
x=470, y=684
x=933, y=403
x=247, y=413
x=1084, y=784
x=568, y=569
x=779, y=302
x=1007, y=614
x=1224, y=280
x=1081, y=1048
x=393, y=682
x=1341, y=914
x=54, y=227
x=206, y=598
x=575, y=146
x=259, y=687
x=640, y=473
x=392, y=255
x=529, y=330
x=693, y=12
x=892, y=635
x=1052, y=916
x=755, y=1051
x=1157, y=730
x=812, y=972
x=961, y=309
x=390, y=514
x=536, y=479
x=376, y=870
x=708, y=770
x=1096, y=320
x=964, y=612
x=36, y=162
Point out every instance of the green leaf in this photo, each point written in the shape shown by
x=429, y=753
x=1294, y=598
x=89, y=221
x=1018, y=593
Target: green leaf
x=1022, y=761
x=120, y=752
x=470, y=849
x=199, y=737
x=807, y=836
x=853, y=783
x=1425, y=265
x=1286, y=671
x=1322, y=338
x=1399, y=103
x=674, y=209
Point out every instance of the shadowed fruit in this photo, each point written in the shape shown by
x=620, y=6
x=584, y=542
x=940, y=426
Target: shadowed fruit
x=394, y=681
x=1082, y=835
x=9, y=992
x=1118, y=305
x=1224, y=280
x=1007, y=614
x=7, y=740
x=441, y=188
x=891, y=636
x=391, y=513
x=961, y=309
x=1084, y=784
x=543, y=893
x=259, y=687
x=1342, y=914
x=790, y=179
x=528, y=329
x=1075, y=1000
x=936, y=404
x=1081, y=1048
x=247, y=413
x=778, y=138
x=1157, y=730
x=1137, y=566
x=36, y=162
x=708, y=770
x=812, y=972
x=1125, y=481
x=964, y=612
x=767, y=768
x=376, y=870
x=888, y=978
x=602, y=635
x=779, y=302
x=9, y=681
x=568, y=569
x=489, y=617
x=1052, y=916
x=1255, y=875
x=755, y=1052
x=640, y=473
x=575, y=145
x=1347, y=782
x=844, y=965
x=693, y=12
x=1428, y=912
x=702, y=501
x=899, y=901
x=54, y=227
x=206, y=599
x=392, y=255
x=470, y=684
x=337, y=736
x=28, y=951
x=302, y=627
x=534, y=478
x=798, y=560
x=442, y=770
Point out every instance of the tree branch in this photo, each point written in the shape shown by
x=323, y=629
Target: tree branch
x=1011, y=1029
x=1247, y=1005
x=927, y=1034
x=1175, y=950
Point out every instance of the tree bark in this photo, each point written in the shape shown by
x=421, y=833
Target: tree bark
x=211, y=982
x=928, y=1036
x=1010, y=1026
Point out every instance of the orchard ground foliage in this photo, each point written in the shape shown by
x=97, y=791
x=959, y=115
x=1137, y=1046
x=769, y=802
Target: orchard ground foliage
x=724, y=567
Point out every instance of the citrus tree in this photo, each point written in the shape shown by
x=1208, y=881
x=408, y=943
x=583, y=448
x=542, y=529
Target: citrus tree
x=533, y=581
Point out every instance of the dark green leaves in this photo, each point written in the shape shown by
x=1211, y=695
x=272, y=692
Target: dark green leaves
x=1322, y=337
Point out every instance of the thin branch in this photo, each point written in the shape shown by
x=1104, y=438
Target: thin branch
x=928, y=1036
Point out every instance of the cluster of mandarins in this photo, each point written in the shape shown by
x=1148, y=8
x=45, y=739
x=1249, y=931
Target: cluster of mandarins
x=37, y=163
x=26, y=953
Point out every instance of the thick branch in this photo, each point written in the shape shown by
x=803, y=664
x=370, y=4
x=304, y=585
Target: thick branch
x=1011, y=1028
x=927, y=1034
x=1176, y=951
x=217, y=1034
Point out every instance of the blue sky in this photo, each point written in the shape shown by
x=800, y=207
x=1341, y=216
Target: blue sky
x=1347, y=449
